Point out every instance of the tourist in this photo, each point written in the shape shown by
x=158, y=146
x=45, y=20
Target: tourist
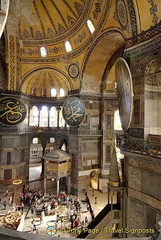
x=22, y=206
x=6, y=192
x=41, y=219
x=4, y=204
x=10, y=200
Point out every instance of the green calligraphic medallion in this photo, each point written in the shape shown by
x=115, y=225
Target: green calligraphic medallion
x=73, y=111
x=124, y=92
x=12, y=111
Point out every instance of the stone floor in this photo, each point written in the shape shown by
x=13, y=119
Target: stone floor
x=97, y=201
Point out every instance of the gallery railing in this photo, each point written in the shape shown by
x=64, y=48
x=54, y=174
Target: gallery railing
x=148, y=147
x=35, y=129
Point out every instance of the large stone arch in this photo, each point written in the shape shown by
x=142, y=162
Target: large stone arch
x=100, y=60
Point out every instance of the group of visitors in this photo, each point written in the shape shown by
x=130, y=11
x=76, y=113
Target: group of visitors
x=41, y=206
x=70, y=217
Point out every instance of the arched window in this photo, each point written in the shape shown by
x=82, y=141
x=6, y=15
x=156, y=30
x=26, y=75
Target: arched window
x=63, y=147
x=43, y=92
x=53, y=92
x=34, y=116
x=61, y=120
x=43, y=52
x=44, y=117
x=53, y=117
x=52, y=140
x=51, y=149
x=33, y=91
x=62, y=92
x=68, y=46
x=90, y=26
x=117, y=121
x=35, y=140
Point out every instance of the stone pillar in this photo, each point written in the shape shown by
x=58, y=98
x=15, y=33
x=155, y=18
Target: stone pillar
x=58, y=186
x=68, y=184
x=29, y=117
x=58, y=110
x=38, y=117
x=48, y=118
x=43, y=161
x=44, y=185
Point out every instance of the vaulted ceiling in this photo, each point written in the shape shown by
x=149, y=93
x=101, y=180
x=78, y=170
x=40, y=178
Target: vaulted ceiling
x=49, y=23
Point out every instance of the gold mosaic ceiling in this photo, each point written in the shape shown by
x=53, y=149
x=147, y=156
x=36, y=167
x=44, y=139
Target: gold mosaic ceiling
x=51, y=18
x=50, y=22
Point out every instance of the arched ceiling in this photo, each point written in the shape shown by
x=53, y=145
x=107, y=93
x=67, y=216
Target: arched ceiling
x=52, y=18
x=49, y=23
x=45, y=78
x=99, y=58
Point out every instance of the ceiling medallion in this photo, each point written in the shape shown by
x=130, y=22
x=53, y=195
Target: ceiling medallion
x=124, y=92
x=73, y=70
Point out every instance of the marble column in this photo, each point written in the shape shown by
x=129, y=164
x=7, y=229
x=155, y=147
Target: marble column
x=44, y=185
x=58, y=186
x=68, y=184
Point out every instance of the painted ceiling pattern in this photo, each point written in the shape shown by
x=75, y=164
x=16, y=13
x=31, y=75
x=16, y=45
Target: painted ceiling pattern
x=46, y=78
x=53, y=18
x=52, y=22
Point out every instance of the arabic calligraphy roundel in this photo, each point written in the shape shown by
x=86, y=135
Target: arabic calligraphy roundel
x=12, y=111
x=73, y=111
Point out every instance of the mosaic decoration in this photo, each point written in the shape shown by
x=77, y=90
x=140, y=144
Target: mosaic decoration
x=73, y=111
x=50, y=33
x=87, y=6
x=153, y=73
x=71, y=20
x=132, y=15
x=12, y=62
x=79, y=7
x=121, y=14
x=56, y=27
x=153, y=11
x=61, y=29
x=38, y=35
x=12, y=111
x=146, y=35
x=80, y=38
x=97, y=9
x=73, y=70
x=74, y=53
x=124, y=92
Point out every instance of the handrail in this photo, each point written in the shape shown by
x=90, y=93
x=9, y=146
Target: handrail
x=98, y=218
x=148, y=147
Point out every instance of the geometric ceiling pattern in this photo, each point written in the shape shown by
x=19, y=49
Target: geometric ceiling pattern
x=51, y=18
x=45, y=79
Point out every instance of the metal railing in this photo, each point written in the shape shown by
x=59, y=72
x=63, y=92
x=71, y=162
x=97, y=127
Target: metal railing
x=148, y=147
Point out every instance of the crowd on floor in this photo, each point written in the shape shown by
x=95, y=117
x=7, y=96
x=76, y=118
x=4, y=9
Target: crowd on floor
x=63, y=211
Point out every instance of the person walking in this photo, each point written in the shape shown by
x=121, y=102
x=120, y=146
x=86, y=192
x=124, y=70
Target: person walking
x=41, y=219
x=10, y=200
x=6, y=192
x=22, y=206
x=4, y=204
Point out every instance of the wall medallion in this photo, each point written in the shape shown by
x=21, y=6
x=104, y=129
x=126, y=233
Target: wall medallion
x=124, y=92
x=73, y=70
x=122, y=13
x=12, y=111
x=73, y=111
